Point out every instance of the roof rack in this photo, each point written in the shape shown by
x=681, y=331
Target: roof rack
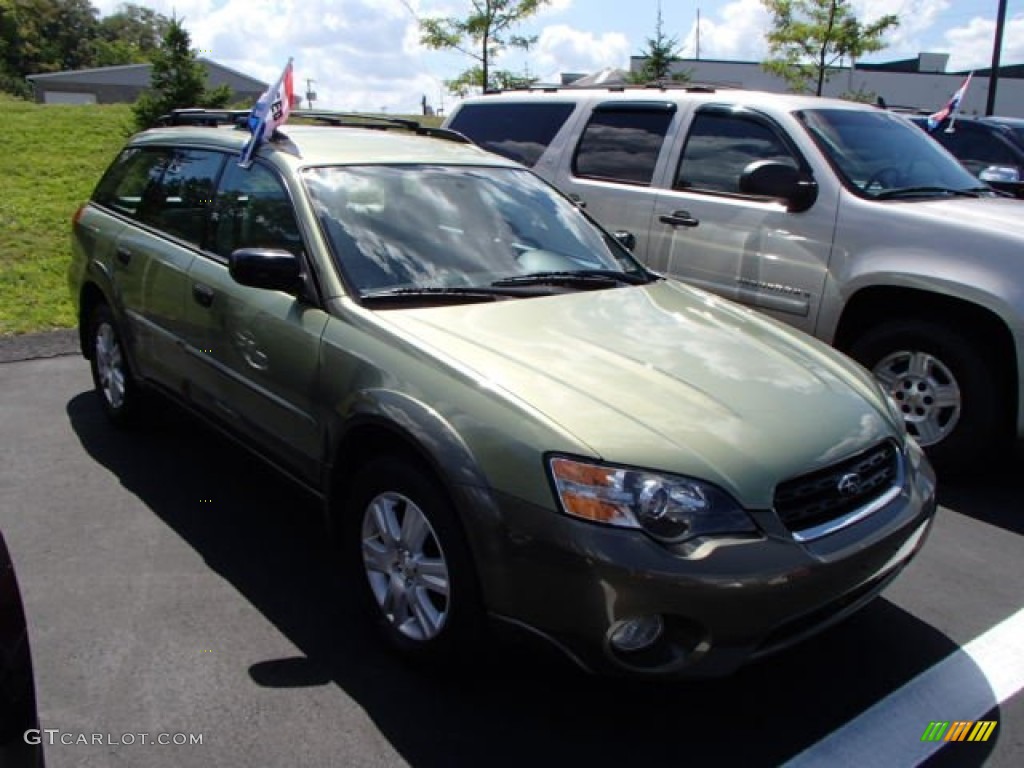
x=204, y=116
x=664, y=85
x=237, y=117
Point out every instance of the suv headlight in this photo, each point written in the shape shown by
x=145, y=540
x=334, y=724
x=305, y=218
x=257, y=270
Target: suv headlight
x=668, y=507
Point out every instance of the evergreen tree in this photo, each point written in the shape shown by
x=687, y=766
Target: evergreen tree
x=661, y=53
x=178, y=80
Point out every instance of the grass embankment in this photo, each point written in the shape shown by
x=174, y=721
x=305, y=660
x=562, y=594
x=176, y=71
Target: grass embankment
x=51, y=158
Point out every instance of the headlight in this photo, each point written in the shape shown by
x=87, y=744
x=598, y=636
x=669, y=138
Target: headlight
x=668, y=507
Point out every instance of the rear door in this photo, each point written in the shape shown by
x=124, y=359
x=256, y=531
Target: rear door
x=255, y=354
x=706, y=232
x=612, y=169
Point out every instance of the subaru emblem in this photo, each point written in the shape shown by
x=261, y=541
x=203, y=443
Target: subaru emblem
x=849, y=485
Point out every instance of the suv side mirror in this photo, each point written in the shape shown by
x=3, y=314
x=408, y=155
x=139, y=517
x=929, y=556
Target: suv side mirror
x=269, y=268
x=1007, y=174
x=767, y=178
x=626, y=239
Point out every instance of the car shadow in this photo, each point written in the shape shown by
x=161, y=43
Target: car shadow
x=992, y=495
x=523, y=705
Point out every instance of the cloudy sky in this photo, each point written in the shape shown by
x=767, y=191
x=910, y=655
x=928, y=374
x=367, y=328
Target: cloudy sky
x=365, y=55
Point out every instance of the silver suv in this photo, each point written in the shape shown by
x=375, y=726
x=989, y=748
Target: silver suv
x=840, y=219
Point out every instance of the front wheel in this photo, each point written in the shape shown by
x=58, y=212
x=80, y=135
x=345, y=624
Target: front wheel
x=945, y=384
x=405, y=545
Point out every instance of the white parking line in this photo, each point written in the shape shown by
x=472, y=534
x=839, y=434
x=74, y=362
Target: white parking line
x=964, y=686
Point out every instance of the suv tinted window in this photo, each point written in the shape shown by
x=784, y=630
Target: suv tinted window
x=253, y=211
x=520, y=132
x=622, y=144
x=721, y=146
x=135, y=170
x=975, y=147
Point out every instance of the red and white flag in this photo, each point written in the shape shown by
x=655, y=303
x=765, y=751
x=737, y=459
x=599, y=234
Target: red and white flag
x=271, y=110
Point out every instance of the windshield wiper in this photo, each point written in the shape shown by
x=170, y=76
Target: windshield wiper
x=434, y=294
x=929, y=192
x=583, y=278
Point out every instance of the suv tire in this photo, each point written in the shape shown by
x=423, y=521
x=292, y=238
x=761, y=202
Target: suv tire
x=945, y=383
x=111, y=373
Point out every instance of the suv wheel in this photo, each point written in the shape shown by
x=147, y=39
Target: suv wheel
x=110, y=372
x=411, y=558
x=945, y=385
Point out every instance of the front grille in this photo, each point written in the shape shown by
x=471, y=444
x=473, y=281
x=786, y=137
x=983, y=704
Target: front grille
x=818, y=497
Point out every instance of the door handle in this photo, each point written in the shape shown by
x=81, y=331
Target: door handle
x=124, y=255
x=203, y=294
x=679, y=219
x=578, y=201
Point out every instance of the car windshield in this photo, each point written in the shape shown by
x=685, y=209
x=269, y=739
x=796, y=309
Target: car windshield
x=882, y=155
x=450, y=230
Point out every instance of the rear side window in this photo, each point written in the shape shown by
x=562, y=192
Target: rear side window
x=622, y=144
x=520, y=132
x=168, y=189
x=126, y=181
x=719, y=148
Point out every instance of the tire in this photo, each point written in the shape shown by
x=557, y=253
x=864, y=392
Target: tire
x=406, y=551
x=946, y=384
x=111, y=375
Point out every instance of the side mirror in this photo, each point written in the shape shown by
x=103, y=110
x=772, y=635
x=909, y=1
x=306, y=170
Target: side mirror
x=626, y=239
x=767, y=178
x=268, y=268
x=1005, y=174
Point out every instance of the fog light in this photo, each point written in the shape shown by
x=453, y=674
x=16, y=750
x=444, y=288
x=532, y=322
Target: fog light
x=636, y=634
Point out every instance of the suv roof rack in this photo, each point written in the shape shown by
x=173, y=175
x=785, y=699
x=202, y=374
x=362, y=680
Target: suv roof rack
x=237, y=117
x=664, y=85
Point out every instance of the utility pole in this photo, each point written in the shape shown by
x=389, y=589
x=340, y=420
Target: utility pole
x=698, y=34
x=993, y=78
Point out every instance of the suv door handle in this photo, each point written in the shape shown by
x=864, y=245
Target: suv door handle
x=203, y=294
x=679, y=219
x=123, y=255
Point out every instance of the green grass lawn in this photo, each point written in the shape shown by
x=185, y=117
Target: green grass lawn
x=51, y=159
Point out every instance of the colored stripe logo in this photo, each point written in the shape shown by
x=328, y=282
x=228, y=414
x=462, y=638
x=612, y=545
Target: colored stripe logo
x=959, y=730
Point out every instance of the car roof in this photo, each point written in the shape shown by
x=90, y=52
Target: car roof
x=310, y=145
x=699, y=95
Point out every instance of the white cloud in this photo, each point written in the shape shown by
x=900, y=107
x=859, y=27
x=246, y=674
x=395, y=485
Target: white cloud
x=737, y=33
x=560, y=48
x=970, y=46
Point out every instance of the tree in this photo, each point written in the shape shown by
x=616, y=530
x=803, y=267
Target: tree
x=482, y=35
x=178, y=80
x=44, y=36
x=808, y=38
x=131, y=35
x=661, y=53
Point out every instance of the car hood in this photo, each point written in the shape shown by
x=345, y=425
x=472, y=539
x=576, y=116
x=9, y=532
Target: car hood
x=665, y=377
x=967, y=218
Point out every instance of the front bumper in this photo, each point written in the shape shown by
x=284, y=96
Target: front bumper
x=722, y=603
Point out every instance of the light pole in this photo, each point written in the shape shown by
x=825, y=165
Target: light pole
x=993, y=78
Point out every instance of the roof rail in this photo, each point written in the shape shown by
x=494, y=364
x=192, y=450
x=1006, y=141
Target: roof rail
x=204, y=116
x=378, y=122
x=237, y=117
x=664, y=85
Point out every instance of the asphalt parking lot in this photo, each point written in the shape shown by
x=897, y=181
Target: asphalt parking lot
x=174, y=585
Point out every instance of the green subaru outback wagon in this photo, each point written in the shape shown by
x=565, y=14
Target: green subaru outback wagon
x=510, y=420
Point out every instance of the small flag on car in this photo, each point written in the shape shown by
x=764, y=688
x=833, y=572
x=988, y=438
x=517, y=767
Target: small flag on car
x=271, y=110
x=952, y=108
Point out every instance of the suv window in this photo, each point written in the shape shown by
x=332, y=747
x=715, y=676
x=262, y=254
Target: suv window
x=132, y=173
x=179, y=202
x=520, y=132
x=253, y=210
x=622, y=144
x=721, y=146
x=977, y=148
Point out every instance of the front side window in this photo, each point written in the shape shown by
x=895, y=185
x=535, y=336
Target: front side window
x=437, y=227
x=253, y=210
x=720, y=147
x=520, y=132
x=622, y=144
x=880, y=155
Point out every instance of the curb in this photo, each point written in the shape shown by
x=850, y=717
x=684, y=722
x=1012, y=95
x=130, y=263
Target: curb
x=34, y=346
